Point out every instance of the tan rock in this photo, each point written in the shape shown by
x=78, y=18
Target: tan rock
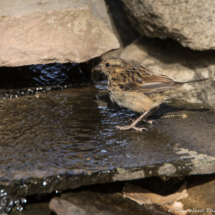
x=144, y=196
x=41, y=32
x=63, y=207
x=201, y=194
x=181, y=64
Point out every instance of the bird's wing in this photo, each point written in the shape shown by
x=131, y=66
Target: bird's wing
x=143, y=80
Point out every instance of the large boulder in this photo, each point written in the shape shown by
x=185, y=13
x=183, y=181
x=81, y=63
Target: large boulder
x=181, y=64
x=40, y=32
x=192, y=23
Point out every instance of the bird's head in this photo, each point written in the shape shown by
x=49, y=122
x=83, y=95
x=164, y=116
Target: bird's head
x=111, y=66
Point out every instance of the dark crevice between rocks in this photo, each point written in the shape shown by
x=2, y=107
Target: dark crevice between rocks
x=169, y=51
x=27, y=80
x=108, y=198
x=123, y=29
x=109, y=195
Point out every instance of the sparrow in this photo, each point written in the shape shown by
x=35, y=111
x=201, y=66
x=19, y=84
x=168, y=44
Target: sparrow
x=137, y=88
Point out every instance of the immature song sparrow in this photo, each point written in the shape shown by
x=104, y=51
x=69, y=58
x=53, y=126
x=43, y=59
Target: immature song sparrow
x=137, y=88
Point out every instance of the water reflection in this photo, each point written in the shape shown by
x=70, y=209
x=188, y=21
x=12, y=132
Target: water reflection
x=44, y=74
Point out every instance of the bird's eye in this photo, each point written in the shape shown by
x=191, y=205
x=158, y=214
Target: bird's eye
x=107, y=64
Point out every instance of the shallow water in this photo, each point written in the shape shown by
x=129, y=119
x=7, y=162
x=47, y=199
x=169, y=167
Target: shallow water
x=28, y=80
x=49, y=140
x=43, y=74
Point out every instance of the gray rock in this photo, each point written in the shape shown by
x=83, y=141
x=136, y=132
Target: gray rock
x=189, y=22
x=181, y=64
x=54, y=31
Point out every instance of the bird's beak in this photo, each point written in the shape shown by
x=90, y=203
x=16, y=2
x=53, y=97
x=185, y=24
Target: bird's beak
x=98, y=68
x=94, y=74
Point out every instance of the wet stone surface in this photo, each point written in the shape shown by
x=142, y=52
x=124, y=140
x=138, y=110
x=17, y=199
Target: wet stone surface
x=66, y=139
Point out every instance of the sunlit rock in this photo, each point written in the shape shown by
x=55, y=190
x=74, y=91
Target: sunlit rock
x=41, y=32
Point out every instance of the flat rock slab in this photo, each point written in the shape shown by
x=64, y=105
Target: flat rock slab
x=66, y=139
x=41, y=32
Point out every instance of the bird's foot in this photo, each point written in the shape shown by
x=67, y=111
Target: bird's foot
x=150, y=121
x=130, y=126
x=145, y=120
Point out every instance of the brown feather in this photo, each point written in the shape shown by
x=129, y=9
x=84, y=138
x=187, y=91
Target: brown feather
x=143, y=80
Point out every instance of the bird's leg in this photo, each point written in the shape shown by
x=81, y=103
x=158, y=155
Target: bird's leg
x=134, y=123
x=150, y=113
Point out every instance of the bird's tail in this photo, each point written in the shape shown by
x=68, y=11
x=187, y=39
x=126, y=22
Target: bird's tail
x=205, y=79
